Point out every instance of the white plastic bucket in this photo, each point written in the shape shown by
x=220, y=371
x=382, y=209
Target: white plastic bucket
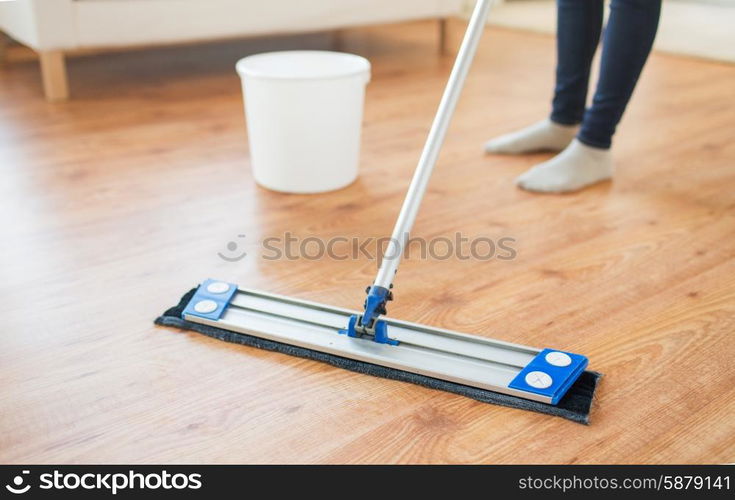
x=304, y=112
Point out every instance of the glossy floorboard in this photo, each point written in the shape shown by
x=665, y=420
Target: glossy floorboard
x=114, y=204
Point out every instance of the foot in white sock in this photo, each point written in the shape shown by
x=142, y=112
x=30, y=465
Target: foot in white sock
x=577, y=167
x=542, y=136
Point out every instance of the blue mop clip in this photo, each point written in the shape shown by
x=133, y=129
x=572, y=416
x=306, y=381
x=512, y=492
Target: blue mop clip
x=551, y=373
x=210, y=300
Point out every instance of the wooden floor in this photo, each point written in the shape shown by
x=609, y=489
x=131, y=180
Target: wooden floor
x=114, y=204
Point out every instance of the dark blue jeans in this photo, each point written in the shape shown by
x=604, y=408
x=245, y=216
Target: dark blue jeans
x=627, y=43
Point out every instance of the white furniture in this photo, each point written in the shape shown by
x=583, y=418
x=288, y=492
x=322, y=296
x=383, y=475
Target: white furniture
x=56, y=27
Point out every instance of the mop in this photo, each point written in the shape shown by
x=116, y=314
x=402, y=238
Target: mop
x=548, y=381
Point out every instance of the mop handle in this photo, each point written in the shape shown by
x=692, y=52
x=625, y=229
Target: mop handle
x=417, y=189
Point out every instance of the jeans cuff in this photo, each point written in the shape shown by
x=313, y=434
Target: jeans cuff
x=560, y=119
x=593, y=143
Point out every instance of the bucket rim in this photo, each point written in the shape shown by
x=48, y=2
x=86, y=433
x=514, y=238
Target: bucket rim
x=247, y=67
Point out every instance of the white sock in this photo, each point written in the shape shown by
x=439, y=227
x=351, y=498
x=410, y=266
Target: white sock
x=542, y=136
x=577, y=167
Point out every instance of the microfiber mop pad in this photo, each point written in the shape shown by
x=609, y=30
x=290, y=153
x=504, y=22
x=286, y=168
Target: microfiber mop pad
x=575, y=405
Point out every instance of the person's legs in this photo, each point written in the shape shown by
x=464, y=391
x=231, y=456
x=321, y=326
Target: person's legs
x=578, y=35
x=627, y=44
x=629, y=37
x=579, y=24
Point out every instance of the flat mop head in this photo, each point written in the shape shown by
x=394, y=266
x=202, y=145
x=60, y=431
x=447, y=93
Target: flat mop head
x=546, y=381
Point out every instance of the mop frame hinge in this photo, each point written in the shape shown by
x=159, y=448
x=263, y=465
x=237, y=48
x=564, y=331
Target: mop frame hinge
x=376, y=304
x=368, y=324
x=378, y=333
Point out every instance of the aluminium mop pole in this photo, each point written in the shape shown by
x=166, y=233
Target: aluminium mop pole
x=379, y=293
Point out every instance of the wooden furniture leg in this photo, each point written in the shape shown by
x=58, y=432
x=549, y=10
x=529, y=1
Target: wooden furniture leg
x=4, y=42
x=338, y=40
x=443, y=35
x=53, y=73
